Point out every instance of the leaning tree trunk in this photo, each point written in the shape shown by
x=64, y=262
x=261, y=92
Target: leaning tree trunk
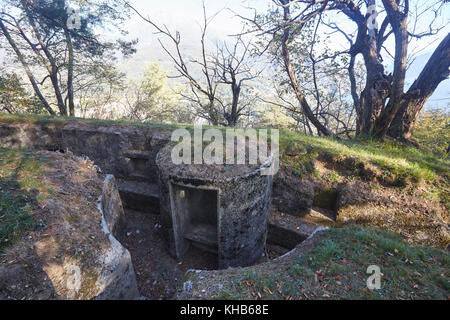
x=378, y=84
x=21, y=58
x=50, y=63
x=434, y=72
x=399, y=25
x=321, y=129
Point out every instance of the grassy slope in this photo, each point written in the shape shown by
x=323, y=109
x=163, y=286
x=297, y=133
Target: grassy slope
x=402, y=159
x=338, y=262
x=401, y=165
x=20, y=183
x=336, y=268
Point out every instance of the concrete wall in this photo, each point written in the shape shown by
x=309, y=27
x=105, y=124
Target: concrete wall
x=126, y=152
x=243, y=209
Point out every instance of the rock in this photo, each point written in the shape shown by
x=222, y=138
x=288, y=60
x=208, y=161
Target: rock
x=117, y=279
x=69, y=264
x=112, y=205
x=110, y=275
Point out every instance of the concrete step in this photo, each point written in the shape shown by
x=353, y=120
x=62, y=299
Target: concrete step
x=288, y=231
x=203, y=235
x=137, y=154
x=140, y=196
x=320, y=216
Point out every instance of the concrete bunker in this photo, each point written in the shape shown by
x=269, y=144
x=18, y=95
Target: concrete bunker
x=222, y=209
x=237, y=220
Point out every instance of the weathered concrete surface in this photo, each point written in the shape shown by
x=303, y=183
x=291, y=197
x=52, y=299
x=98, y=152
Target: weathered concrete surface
x=117, y=279
x=127, y=152
x=243, y=206
x=140, y=196
x=30, y=135
x=110, y=276
x=73, y=253
x=112, y=205
x=288, y=231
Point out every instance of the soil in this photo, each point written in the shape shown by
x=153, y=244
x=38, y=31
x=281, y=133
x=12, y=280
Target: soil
x=157, y=272
x=66, y=220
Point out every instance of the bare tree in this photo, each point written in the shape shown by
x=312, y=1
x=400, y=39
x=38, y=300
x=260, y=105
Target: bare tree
x=227, y=66
x=234, y=70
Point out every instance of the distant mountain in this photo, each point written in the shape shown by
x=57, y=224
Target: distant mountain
x=152, y=50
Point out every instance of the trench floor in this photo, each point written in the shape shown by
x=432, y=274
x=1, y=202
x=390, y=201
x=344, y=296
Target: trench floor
x=158, y=273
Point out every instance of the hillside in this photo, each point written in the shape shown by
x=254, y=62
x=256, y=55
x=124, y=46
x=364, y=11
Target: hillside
x=333, y=265
x=385, y=204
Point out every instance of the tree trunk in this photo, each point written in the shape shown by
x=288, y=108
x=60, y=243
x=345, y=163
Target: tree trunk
x=377, y=85
x=293, y=79
x=70, y=74
x=236, y=89
x=26, y=67
x=50, y=64
x=399, y=25
x=435, y=71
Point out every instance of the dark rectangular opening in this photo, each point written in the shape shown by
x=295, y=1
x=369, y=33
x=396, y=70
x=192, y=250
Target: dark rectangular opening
x=197, y=212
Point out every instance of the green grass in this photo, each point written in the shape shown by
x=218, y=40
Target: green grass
x=61, y=120
x=20, y=187
x=397, y=165
x=336, y=268
x=398, y=158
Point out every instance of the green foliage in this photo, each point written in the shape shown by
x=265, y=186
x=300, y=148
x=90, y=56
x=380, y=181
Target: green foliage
x=83, y=51
x=14, y=98
x=151, y=99
x=432, y=130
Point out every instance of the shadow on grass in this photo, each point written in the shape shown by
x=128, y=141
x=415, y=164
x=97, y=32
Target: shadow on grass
x=24, y=277
x=16, y=204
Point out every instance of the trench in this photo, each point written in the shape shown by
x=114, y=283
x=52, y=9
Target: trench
x=159, y=273
x=121, y=152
